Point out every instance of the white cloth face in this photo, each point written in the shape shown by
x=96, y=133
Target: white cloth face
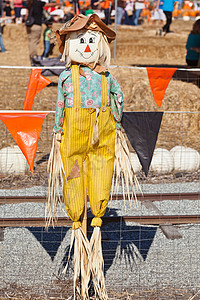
x=84, y=46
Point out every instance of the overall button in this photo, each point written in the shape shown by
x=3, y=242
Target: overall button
x=104, y=108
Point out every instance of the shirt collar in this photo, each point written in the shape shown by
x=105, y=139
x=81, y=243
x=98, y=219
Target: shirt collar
x=98, y=69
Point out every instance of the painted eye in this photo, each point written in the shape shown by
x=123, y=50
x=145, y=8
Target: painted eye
x=92, y=40
x=82, y=40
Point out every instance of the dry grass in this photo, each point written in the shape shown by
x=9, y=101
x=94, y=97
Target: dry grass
x=63, y=289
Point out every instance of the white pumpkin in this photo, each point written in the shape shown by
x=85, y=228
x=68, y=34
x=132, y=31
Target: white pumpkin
x=185, y=159
x=135, y=162
x=186, y=18
x=177, y=149
x=12, y=161
x=162, y=161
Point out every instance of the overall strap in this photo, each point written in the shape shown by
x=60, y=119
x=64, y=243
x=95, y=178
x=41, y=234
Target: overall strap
x=76, y=86
x=95, y=138
x=104, y=89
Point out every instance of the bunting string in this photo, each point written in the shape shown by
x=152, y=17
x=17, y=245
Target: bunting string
x=110, y=67
x=53, y=111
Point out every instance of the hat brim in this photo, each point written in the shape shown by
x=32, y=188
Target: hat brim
x=79, y=22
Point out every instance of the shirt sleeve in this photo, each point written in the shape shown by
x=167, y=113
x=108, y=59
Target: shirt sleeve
x=116, y=101
x=60, y=105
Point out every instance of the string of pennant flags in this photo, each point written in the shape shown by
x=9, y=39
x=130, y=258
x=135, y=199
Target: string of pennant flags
x=142, y=128
x=159, y=79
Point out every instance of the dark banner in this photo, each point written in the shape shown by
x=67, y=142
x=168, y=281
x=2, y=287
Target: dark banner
x=142, y=130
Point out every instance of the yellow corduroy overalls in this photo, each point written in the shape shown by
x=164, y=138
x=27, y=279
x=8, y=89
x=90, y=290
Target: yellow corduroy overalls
x=93, y=163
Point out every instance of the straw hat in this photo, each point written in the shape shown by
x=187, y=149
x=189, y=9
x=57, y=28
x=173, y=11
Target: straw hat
x=79, y=22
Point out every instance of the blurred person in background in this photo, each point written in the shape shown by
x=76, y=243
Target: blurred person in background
x=129, y=13
x=76, y=6
x=106, y=5
x=3, y=49
x=89, y=11
x=158, y=16
x=120, y=10
x=68, y=14
x=193, y=41
x=139, y=6
x=18, y=4
x=2, y=24
x=168, y=7
x=7, y=11
x=34, y=31
x=47, y=38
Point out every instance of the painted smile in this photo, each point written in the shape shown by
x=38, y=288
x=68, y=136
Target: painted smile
x=82, y=55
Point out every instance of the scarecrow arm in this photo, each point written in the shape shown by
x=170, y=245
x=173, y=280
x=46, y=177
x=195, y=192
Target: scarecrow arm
x=60, y=104
x=59, y=116
x=116, y=101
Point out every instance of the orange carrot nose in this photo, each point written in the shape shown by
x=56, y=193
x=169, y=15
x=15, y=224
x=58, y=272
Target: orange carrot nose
x=87, y=49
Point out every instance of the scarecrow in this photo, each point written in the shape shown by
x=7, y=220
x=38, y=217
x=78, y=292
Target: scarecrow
x=88, y=144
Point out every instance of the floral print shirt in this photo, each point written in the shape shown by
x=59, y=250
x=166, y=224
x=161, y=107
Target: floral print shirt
x=91, y=95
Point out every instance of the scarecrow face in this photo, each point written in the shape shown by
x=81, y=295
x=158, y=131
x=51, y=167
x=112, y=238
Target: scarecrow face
x=83, y=47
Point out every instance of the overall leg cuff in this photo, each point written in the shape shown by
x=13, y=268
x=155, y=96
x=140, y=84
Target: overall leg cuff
x=96, y=221
x=76, y=225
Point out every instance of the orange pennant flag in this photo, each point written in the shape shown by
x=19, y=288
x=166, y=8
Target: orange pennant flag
x=36, y=83
x=25, y=129
x=159, y=79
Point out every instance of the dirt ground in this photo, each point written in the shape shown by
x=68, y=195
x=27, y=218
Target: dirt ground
x=136, y=46
x=64, y=290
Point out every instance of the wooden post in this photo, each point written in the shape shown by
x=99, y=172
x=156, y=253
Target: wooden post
x=84, y=222
x=115, y=42
x=84, y=227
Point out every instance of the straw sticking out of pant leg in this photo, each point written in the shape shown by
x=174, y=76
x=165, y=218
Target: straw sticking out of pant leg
x=56, y=171
x=82, y=267
x=123, y=170
x=97, y=264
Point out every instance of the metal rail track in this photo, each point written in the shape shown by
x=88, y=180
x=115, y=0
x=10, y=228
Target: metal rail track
x=144, y=220
x=144, y=197
x=147, y=199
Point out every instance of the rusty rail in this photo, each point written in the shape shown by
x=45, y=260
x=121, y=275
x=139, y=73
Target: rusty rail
x=144, y=220
x=157, y=220
x=144, y=197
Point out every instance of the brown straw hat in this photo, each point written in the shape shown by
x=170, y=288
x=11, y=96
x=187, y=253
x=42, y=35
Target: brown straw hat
x=80, y=22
